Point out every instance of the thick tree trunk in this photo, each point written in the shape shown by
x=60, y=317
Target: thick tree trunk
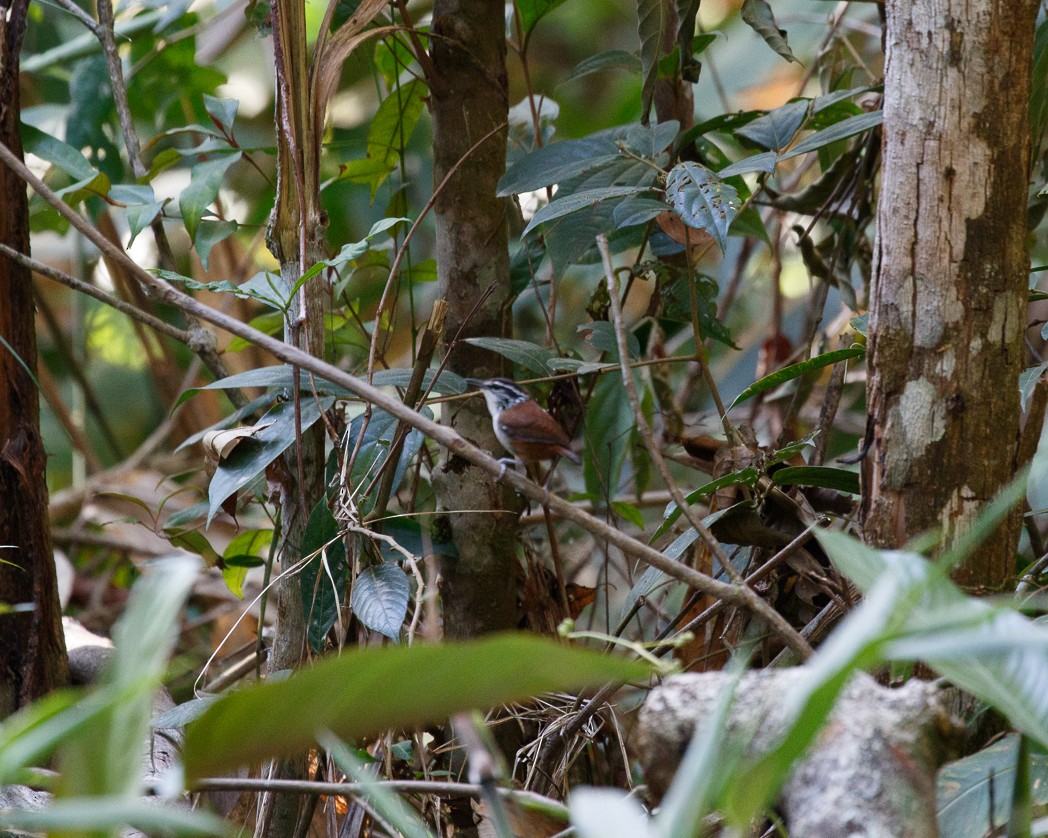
x=948, y=307
x=32, y=647
x=469, y=102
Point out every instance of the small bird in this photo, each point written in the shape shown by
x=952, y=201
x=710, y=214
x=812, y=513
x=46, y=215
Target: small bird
x=525, y=430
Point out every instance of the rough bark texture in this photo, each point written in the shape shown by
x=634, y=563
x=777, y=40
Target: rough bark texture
x=871, y=772
x=948, y=305
x=32, y=649
x=469, y=101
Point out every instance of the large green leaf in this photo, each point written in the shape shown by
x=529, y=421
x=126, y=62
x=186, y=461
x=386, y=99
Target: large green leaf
x=992, y=652
x=392, y=127
x=366, y=691
x=975, y=793
x=702, y=200
x=823, y=476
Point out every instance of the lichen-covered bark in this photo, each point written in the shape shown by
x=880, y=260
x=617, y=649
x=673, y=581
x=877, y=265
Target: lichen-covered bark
x=469, y=101
x=870, y=772
x=948, y=305
x=32, y=647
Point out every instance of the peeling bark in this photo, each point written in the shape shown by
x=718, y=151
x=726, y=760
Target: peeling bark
x=948, y=307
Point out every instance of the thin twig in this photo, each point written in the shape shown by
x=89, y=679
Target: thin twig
x=155, y=323
x=643, y=428
x=395, y=267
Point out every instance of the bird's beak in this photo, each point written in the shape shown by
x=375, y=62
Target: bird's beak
x=476, y=382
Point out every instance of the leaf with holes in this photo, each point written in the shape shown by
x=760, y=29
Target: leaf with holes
x=702, y=200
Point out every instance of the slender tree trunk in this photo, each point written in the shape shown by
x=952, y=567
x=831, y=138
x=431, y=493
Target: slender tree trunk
x=469, y=102
x=948, y=308
x=295, y=237
x=32, y=647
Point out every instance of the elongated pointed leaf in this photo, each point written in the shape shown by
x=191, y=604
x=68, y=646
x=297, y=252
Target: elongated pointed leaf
x=839, y=131
x=770, y=382
x=366, y=691
x=203, y=190
x=577, y=201
x=530, y=356
x=758, y=15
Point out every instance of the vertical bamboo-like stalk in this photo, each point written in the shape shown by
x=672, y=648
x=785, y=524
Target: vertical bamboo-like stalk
x=948, y=308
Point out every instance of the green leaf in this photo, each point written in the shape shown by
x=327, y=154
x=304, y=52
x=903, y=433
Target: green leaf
x=764, y=162
x=374, y=448
x=975, y=793
x=702, y=200
x=770, y=382
x=380, y=598
x=392, y=127
x=528, y=355
x=108, y=813
x=638, y=210
x=1028, y=379
x=532, y=11
x=628, y=512
x=202, y=191
x=609, y=423
x=280, y=377
x=777, y=128
x=577, y=201
x=656, y=39
x=840, y=131
x=266, y=720
x=264, y=286
x=822, y=476
x=210, y=233
x=743, y=477
x=140, y=206
x=245, y=546
x=324, y=575
x=612, y=59
x=601, y=335
x=104, y=756
x=163, y=161
x=250, y=458
x=223, y=112
x=758, y=15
